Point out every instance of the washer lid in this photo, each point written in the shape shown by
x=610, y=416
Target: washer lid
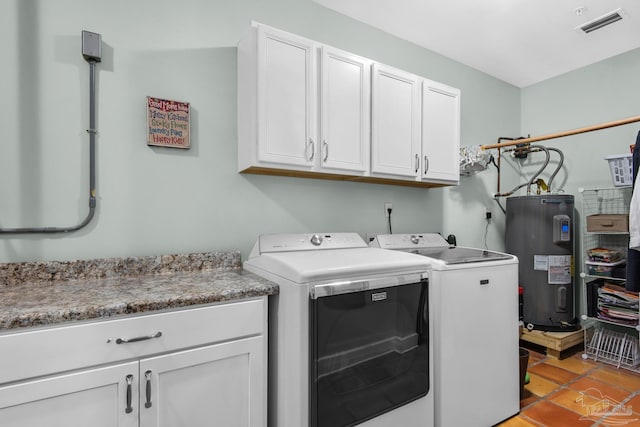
x=325, y=265
x=434, y=246
x=459, y=255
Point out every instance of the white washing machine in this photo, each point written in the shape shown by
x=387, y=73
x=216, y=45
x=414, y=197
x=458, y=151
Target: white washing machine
x=349, y=332
x=476, y=331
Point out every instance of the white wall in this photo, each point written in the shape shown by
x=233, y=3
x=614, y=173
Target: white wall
x=158, y=200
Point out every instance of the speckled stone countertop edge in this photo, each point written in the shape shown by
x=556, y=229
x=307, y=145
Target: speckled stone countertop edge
x=19, y=273
x=46, y=303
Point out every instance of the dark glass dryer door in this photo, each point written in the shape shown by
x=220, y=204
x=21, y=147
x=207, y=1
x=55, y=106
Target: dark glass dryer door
x=369, y=353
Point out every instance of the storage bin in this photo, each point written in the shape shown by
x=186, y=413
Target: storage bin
x=621, y=166
x=608, y=223
x=604, y=255
x=605, y=269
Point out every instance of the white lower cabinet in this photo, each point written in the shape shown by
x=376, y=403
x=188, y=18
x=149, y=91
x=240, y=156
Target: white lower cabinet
x=195, y=387
x=220, y=383
x=95, y=397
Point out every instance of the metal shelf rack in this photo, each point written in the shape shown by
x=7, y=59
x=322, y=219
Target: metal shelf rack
x=606, y=341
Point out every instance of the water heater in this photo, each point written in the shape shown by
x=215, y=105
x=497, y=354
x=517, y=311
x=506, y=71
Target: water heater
x=540, y=232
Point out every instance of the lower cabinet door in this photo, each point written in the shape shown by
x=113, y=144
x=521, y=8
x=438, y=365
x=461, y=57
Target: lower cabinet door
x=102, y=397
x=221, y=385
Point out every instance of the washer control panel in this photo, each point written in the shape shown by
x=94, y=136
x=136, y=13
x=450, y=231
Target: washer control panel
x=408, y=241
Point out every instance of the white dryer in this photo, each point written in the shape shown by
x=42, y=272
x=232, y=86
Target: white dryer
x=349, y=332
x=475, y=329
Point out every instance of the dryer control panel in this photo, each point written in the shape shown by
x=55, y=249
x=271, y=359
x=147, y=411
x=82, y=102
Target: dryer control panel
x=308, y=241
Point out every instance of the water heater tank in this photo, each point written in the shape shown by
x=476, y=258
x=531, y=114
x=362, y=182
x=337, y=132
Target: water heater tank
x=540, y=232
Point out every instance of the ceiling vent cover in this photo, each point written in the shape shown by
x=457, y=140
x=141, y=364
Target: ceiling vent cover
x=602, y=21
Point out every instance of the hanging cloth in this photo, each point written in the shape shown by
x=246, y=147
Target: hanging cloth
x=633, y=257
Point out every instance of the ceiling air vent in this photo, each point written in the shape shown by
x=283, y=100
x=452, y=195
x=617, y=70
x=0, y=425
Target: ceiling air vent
x=602, y=21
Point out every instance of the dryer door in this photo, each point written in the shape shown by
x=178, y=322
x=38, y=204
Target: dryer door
x=369, y=353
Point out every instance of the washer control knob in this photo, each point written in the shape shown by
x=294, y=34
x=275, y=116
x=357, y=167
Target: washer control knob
x=316, y=240
x=415, y=239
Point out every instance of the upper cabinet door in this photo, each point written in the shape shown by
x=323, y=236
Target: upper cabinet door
x=286, y=98
x=345, y=111
x=440, y=132
x=395, y=121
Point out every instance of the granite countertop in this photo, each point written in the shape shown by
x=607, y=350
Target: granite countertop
x=50, y=293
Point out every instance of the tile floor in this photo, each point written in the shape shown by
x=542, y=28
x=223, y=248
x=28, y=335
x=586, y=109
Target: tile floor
x=576, y=392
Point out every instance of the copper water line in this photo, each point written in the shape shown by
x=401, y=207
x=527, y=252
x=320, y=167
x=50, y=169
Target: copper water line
x=561, y=134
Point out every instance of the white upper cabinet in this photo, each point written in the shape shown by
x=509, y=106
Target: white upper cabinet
x=345, y=111
x=395, y=133
x=310, y=110
x=440, y=132
x=282, y=120
x=286, y=98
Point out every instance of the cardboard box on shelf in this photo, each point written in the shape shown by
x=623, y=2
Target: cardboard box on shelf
x=608, y=223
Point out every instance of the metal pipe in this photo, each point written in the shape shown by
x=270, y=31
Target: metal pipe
x=529, y=183
x=92, y=173
x=560, y=163
x=546, y=162
x=534, y=148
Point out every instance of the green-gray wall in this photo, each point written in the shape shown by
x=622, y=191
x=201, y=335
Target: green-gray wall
x=158, y=200
x=600, y=93
x=155, y=200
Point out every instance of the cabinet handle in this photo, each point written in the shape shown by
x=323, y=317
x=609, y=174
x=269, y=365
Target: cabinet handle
x=136, y=339
x=313, y=149
x=417, y=163
x=426, y=164
x=129, y=379
x=326, y=150
x=147, y=375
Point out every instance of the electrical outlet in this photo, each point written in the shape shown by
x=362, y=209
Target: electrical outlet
x=387, y=207
x=487, y=214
